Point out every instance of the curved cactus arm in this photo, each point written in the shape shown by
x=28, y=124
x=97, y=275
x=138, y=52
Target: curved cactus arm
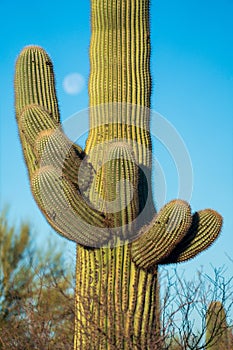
x=34, y=81
x=65, y=209
x=51, y=147
x=205, y=228
x=120, y=187
x=58, y=170
x=165, y=231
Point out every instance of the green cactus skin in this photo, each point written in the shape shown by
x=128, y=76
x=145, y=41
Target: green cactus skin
x=119, y=166
x=205, y=228
x=173, y=222
x=117, y=302
x=217, y=332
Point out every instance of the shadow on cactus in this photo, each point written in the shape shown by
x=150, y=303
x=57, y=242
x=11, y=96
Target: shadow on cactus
x=101, y=197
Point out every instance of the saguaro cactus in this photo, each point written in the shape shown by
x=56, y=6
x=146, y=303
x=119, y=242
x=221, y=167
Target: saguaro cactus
x=101, y=197
x=217, y=331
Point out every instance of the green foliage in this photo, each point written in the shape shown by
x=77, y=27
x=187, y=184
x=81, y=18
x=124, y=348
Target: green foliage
x=37, y=296
x=15, y=277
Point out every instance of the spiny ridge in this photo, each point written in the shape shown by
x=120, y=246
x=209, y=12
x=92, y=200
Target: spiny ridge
x=120, y=182
x=66, y=211
x=49, y=153
x=205, y=228
x=164, y=232
x=35, y=119
x=34, y=81
x=52, y=147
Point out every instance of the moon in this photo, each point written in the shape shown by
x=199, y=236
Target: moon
x=73, y=83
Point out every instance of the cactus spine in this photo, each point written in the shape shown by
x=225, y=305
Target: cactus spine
x=116, y=275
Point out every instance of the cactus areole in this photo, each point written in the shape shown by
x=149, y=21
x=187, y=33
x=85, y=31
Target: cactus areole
x=101, y=197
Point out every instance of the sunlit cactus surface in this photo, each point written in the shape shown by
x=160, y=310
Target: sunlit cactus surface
x=101, y=197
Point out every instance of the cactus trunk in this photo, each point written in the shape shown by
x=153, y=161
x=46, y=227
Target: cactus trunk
x=116, y=300
x=217, y=330
x=120, y=52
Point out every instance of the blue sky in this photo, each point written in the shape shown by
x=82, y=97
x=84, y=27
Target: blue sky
x=192, y=73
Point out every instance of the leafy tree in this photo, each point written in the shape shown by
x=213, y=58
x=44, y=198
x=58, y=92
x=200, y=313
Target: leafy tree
x=15, y=278
x=36, y=300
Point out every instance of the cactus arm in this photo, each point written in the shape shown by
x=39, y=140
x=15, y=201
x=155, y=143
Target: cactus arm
x=120, y=182
x=34, y=81
x=53, y=161
x=160, y=237
x=205, y=228
x=217, y=329
x=161, y=243
x=65, y=209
